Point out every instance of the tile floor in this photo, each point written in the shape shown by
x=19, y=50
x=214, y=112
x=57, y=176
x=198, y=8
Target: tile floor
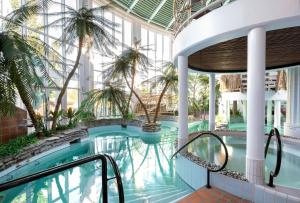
x=213, y=195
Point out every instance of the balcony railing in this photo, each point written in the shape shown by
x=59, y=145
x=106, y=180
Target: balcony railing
x=186, y=11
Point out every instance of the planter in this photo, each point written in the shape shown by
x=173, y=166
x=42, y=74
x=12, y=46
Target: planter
x=151, y=138
x=151, y=127
x=124, y=123
x=70, y=136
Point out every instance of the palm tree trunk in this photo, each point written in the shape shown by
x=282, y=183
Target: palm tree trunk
x=65, y=86
x=130, y=94
x=159, y=101
x=140, y=100
x=26, y=101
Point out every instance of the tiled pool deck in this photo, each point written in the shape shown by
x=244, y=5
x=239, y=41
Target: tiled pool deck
x=204, y=195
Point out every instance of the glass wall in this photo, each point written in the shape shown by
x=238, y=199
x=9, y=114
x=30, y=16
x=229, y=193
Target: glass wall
x=159, y=50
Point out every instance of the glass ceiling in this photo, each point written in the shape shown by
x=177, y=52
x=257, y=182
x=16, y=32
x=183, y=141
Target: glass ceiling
x=161, y=12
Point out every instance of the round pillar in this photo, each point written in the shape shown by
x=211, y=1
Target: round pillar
x=256, y=105
x=245, y=111
x=292, y=125
x=183, y=100
x=212, y=99
x=277, y=114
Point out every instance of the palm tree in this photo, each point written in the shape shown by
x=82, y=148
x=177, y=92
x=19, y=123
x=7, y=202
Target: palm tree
x=112, y=94
x=88, y=28
x=126, y=65
x=168, y=79
x=23, y=64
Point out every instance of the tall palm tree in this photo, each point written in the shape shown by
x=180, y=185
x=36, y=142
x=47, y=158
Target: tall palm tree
x=112, y=94
x=87, y=27
x=126, y=65
x=23, y=64
x=167, y=80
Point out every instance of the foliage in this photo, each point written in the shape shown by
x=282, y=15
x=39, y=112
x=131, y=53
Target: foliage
x=88, y=28
x=15, y=146
x=23, y=63
x=167, y=81
x=113, y=95
x=199, y=93
x=125, y=66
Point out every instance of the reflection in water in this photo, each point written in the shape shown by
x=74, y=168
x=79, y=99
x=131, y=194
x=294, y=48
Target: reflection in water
x=147, y=173
x=288, y=175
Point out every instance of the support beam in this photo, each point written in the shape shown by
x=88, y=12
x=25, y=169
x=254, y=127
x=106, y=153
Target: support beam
x=132, y=6
x=183, y=100
x=212, y=101
x=157, y=10
x=255, y=161
x=292, y=125
x=245, y=111
x=170, y=24
x=277, y=114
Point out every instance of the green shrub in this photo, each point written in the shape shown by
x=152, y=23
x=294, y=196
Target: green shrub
x=16, y=145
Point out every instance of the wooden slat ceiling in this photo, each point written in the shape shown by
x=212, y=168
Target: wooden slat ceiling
x=283, y=50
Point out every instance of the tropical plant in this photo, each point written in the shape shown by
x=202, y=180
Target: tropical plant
x=167, y=81
x=198, y=93
x=88, y=28
x=23, y=64
x=126, y=66
x=16, y=145
x=113, y=95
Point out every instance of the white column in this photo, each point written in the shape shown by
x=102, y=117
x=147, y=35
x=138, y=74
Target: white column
x=183, y=100
x=256, y=105
x=277, y=114
x=228, y=111
x=245, y=110
x=269, y=112
x=292, y=125
x=212, y=99
x=86, y=75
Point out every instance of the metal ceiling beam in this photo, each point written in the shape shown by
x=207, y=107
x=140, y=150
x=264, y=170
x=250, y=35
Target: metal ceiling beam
x=132, y=6
x=157, y=10
x=171, y=23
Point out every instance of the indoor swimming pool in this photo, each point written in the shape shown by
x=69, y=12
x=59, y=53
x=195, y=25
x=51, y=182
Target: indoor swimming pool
x=147, y=172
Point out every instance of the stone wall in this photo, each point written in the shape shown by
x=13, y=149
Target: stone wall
x=43, y=145
x=14, y=126
x=106, y=122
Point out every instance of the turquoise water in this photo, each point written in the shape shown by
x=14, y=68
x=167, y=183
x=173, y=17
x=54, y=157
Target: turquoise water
x=243, y=127
x=210, y=149
x=147, y=172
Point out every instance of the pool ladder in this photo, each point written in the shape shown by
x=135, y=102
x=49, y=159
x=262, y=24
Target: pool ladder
x=274, y=132
x=208, y=169
x=103, y=157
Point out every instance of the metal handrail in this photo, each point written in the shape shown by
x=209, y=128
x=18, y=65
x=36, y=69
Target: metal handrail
x=60, y=168
x=199, y=12
x=208, y=169
x=275, y=132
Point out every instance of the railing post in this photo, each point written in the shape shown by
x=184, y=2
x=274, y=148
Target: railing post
x=271, y=182
x=208, y=179
x=274, y=132
x=104, y=181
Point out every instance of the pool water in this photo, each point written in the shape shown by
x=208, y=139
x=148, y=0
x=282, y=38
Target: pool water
x=211, y=150
x=147, y=172
x=243, y=127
